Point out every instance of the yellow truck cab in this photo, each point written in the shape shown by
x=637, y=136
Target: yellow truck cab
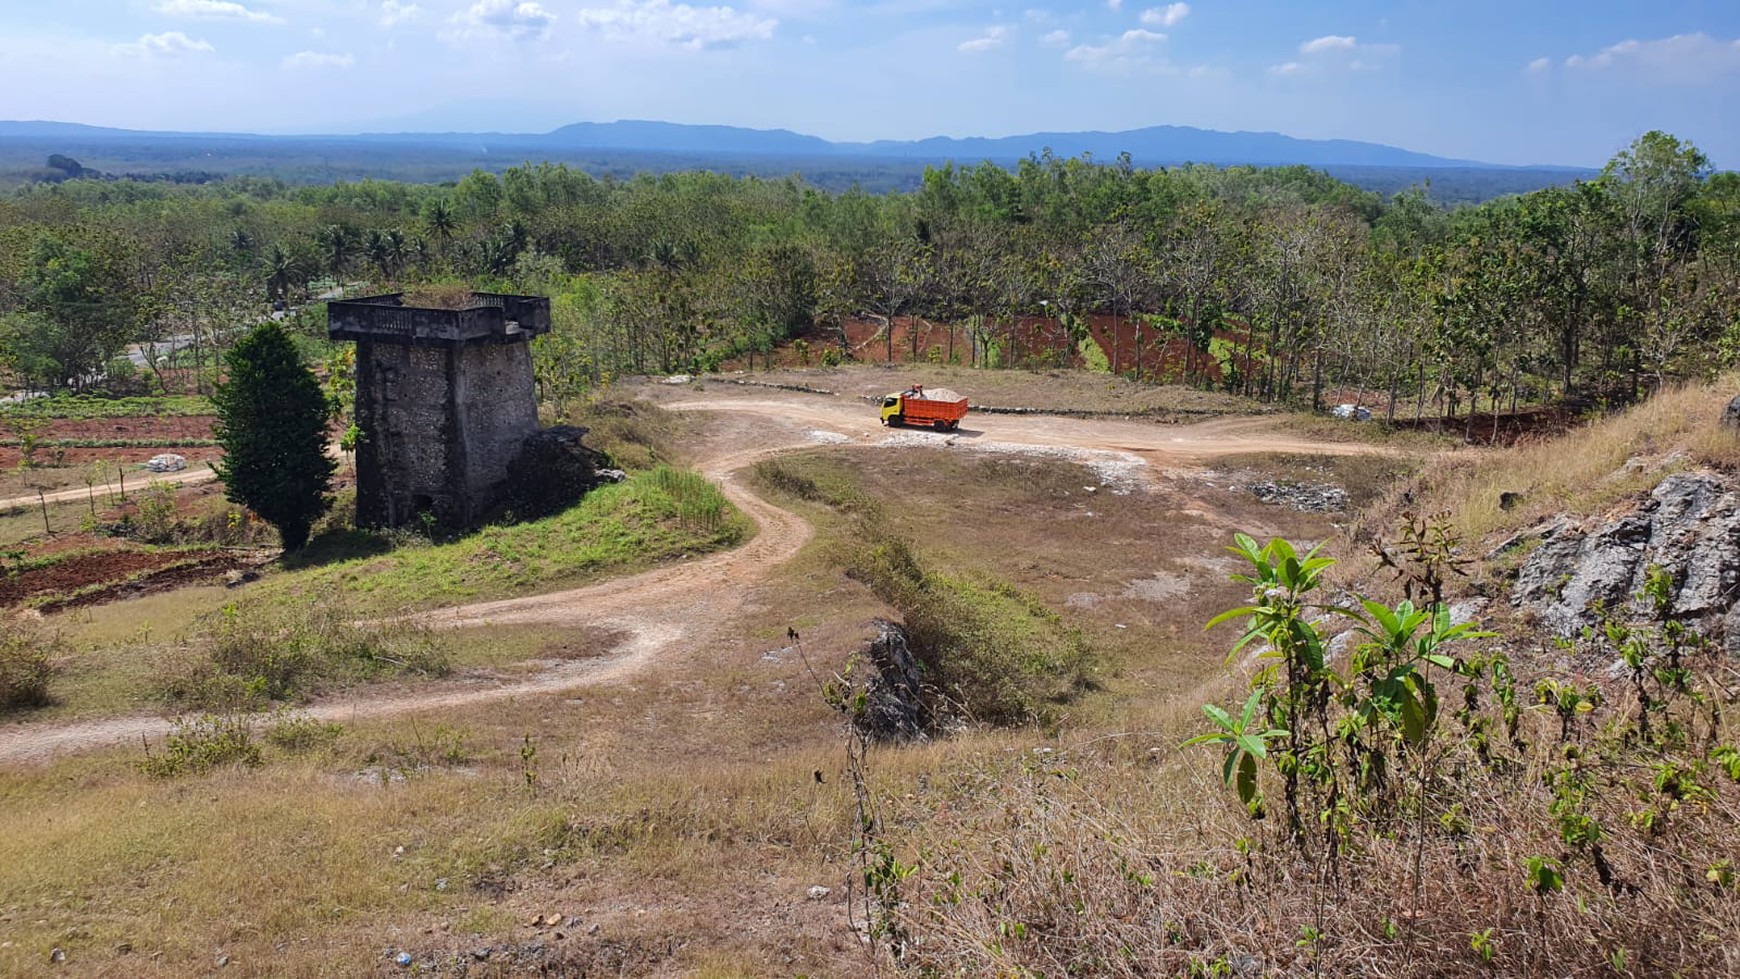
x=938, y=408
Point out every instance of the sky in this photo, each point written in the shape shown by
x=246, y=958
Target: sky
x=1502, y=81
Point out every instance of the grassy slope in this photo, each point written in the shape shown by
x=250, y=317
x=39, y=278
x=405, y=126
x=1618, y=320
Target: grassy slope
x=1587, y=470
x=615, y=530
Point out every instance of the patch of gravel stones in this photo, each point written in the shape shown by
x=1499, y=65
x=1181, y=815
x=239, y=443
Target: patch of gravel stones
x=1309, y=497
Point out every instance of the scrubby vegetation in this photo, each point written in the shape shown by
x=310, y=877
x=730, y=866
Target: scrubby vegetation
x=989, y=652
x=259, y=654
x=1407, y=802
x=27, y=663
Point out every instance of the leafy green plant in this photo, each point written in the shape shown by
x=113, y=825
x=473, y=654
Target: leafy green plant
x=1544, y=875
x=1245, y=745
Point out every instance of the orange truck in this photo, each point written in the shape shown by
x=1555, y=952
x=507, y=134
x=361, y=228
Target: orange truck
x=938, y=408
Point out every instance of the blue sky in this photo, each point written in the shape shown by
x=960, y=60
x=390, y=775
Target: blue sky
x=1507, y=81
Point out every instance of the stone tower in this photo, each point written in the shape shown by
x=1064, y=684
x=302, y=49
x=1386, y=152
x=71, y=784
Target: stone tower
x=444, y=400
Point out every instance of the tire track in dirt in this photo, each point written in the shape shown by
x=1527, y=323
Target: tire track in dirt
x=685, y=603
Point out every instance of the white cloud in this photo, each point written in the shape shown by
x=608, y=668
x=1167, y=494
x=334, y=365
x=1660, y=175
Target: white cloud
x=1115, y=4
x=1682, y=58
x=679, y=24
x=1132, y=51
x=1166, y=16
x=316, y=59
x=1056, y=39
x=1328, y=42
x=216, y=10
x=993, y=39
x=1335, y=53
x=1540, y=64
x=169, y=44
x=525, y=20
x=394, y=13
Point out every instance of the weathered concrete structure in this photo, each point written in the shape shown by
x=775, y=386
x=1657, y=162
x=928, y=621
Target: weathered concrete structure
x=444, y=400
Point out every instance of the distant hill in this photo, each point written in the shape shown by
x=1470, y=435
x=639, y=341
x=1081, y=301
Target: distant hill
x=630, y=146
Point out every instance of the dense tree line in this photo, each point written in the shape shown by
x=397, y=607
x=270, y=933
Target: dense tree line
x=1277, y=283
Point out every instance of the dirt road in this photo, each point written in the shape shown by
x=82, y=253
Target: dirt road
x=686, y=603
x=187, y=476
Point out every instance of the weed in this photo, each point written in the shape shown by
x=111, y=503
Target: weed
x=442, y=746
x=258, y=654
x=197, y=745
x=298, y=733
x=27, y=655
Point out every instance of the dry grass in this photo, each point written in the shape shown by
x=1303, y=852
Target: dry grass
x=1584, y=472
x=678, y=811
x=1327, y=429
x=1107, y=860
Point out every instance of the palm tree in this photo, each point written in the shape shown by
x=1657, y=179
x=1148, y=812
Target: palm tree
x=439, y=217
x=396, y=249
x=378, y=252
x=283, y=269
x=338, y=244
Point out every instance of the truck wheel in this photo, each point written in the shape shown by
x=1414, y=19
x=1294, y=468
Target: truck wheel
x=896, y=420
x=940, y=425
x=954, y=424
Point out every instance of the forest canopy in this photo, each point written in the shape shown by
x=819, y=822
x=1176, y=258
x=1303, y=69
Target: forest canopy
x=1278, y=283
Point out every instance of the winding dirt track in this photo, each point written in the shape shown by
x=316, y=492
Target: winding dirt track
x=683, y=604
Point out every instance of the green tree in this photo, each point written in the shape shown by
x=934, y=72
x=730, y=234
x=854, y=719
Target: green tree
x=78, y=314
x=271, y=422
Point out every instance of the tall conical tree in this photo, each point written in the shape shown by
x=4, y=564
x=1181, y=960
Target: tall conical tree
x=271, y=422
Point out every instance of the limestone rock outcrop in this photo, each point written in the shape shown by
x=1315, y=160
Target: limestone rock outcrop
x=1689, y=526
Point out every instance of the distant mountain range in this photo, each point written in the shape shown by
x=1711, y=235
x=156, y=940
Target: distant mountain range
x=1153, y=146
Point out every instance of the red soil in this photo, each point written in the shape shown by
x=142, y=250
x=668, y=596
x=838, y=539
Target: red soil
x=119, y=572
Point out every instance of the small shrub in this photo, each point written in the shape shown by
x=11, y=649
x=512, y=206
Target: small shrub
x=297, y=733
x=197, y=745
x=27, y=655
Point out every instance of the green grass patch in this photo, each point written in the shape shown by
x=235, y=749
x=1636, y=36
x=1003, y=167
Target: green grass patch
x=76, y=406
x=996, y=653
x=616, y=529
x=635, y=434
